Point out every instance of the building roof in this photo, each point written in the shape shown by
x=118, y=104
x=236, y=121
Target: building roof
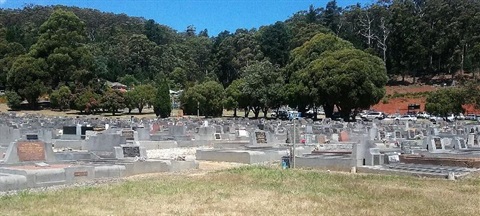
x=116, y=84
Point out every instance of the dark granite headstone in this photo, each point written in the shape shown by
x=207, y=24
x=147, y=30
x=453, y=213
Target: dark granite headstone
x=70, y=130
x=84, y=128
x=260, y=137
x=32, y=137
x=131, y=151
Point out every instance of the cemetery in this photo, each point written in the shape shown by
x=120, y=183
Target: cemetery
x=39, y=151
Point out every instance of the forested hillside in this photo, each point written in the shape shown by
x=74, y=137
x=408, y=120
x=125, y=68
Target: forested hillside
x=314, y=58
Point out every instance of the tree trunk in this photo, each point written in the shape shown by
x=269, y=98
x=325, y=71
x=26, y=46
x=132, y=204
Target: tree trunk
x=328, y=109
x=463, y=60
x=129, y=110
x=247, y=112
x=414, y=76
x=265, y=110
x=234, y=112
x=256, y=112
x=140, y=110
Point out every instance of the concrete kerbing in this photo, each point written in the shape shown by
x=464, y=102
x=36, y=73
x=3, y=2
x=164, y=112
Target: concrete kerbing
x=12, y=182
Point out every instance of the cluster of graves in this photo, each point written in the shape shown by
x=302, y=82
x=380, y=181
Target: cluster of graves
x=38, y=151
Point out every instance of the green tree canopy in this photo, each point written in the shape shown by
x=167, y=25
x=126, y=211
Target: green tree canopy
x=301, y=91
x=235, y=97
x=112, y=100
x=13, y=100
x=142, y=96
x=264, y=86
x=27, y=77
x=62, y=46
x=348, y=78
x=87, y=101
x=61, y=98
x=445, y=101
x=162, y=105
x=312, y=49
x=208, y=95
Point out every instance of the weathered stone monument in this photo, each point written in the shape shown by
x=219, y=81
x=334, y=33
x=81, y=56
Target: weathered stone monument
x=29, y=151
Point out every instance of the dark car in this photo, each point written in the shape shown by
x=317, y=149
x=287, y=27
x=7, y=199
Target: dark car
x=281, y=114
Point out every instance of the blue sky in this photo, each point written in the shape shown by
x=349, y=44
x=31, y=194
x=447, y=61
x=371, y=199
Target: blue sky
x=214, y=15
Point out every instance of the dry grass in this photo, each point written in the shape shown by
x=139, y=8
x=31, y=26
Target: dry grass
x=257, y=191
x=147, y=113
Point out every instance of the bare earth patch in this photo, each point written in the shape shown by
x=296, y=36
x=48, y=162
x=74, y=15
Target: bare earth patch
x=255, y=190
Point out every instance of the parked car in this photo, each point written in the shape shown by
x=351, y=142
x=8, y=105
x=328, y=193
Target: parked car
x=448, y=118
x=423, y=115
x=374, y=115
x=471, y=117
x=406, y=118
x=435, y=119
x=281, y=114
x=309, y=114
x=460, y=116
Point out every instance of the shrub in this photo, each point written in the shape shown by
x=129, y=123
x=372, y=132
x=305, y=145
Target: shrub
x=13, y=100
x=162, y=105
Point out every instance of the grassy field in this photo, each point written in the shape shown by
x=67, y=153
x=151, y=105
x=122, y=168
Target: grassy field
x=257, y=191
x=147, y=113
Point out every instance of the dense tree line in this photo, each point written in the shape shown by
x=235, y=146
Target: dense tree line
x=332, y=57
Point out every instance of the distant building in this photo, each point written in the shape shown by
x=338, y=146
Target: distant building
x=117, y=86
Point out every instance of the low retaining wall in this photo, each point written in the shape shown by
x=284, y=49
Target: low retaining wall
x=327, y=162
x=441, y=161
x=151, y=145
x=30, y=176
x=69, y=144
x=240, y=156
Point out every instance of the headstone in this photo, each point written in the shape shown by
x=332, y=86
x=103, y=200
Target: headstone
x=335, y=137
x=435, y=144
x=382, y=135
x=24, y=151
x=103, y=144
x=460, y=144
x=309, y=129
x=143, y=134
x=343, y=136
x=260, y=137
x=321, y=139
x=472, y=140
x=392, y=158
x=128, y=134
x=131, y=151
x=309, y=138
x=373, y=157
x=398, y=134
x=31, y=137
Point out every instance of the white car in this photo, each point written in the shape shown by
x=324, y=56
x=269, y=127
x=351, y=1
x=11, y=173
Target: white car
x=460, y=117
x=423, y=115
x=451, y=118
x=435, y=119
x=406, y=118
x=472, y=117
x=373, y=115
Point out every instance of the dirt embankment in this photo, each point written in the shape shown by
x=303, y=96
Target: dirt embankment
x=397, y=99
